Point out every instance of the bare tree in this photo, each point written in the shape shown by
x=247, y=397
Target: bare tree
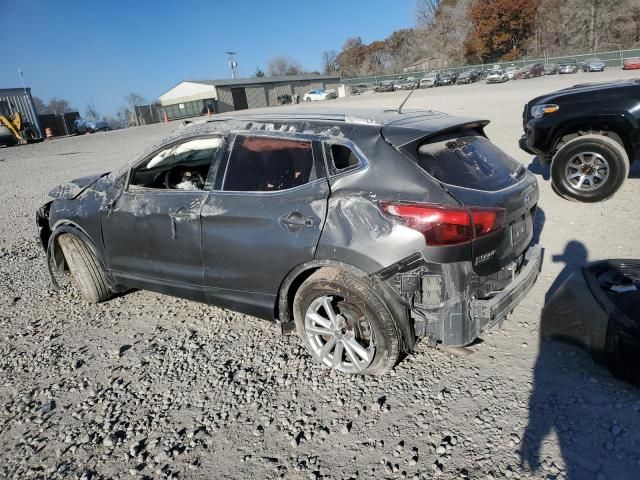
x=58, y=106
x=282, y=65
x=91, y=112
x=135, y=100
x=329, y=62
x=41, y=107
x=426, y=11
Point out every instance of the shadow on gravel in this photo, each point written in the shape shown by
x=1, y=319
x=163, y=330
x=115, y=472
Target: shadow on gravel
x=538, y=168
x=581, y=404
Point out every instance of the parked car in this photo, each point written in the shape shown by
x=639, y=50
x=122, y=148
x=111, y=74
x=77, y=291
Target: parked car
x=631, y=63
x=319, y=94
x=551, y=69
x=386, y=86
x=511, y=72
x=409, y=225
x=530, y=71
x=497, y=76
x=588, y=133
x=593, y=65
x=82, y=126
x=430, y=80
x=568, y=66
x=470, y=76
x=448, y=78
x=359, y=88
x=407, y=84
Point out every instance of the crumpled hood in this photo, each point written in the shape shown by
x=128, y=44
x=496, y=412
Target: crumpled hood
x=71, y=190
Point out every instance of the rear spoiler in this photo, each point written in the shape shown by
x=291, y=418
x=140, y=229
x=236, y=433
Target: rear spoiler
x=406, y=136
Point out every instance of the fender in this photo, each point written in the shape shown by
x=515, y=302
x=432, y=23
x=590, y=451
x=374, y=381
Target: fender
x=66, y=226
x=621, y=122
x=390, y=298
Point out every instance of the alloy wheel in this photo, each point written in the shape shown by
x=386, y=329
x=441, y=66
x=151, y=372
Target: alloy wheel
x=587, y=171
x=339, y=334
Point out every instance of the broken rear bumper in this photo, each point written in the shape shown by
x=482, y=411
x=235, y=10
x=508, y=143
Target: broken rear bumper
x=485, y=314
x=462, y=317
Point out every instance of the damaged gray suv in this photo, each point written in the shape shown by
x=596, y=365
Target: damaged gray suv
x=364, y=230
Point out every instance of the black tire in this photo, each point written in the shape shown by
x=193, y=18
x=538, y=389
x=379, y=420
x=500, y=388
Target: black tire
x=29, y=134
x=609, y=149
x=85, y=269
x=351, y=294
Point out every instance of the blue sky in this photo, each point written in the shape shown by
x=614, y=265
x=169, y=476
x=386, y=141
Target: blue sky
x=100, y=51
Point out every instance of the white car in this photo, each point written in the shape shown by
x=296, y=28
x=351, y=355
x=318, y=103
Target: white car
x=511, y=72
x=318, y=94
x=497, y=76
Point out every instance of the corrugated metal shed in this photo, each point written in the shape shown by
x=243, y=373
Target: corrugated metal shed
x=20, y=100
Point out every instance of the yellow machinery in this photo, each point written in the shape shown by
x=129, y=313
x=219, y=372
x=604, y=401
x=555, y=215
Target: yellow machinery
x=12, y=129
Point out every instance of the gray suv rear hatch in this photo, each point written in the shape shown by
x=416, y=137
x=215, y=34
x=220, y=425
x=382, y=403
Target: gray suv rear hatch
x=455, y=152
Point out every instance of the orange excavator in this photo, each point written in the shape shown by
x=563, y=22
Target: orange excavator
x=13, y=130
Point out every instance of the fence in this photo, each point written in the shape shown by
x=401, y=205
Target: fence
x=60, y=124
x=610, y=59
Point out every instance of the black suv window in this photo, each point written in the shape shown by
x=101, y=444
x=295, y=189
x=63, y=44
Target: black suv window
x=267, y=164
x=184, y=166
x=469, y=160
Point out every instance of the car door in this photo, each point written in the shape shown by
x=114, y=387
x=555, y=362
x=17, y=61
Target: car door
x=264, y=221
x=152, y=231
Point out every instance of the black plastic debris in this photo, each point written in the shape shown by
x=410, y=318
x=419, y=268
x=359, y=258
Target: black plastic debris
x=48, y=406
x=598, y=308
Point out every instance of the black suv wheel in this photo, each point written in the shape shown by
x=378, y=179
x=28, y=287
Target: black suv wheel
x=589, y=168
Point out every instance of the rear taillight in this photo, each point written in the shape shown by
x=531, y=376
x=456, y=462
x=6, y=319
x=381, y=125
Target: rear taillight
x=442, y=225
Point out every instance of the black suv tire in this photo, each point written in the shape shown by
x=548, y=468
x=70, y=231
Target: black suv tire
x=590, y=145
x=359, y=305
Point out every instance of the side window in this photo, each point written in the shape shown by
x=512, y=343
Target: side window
x=343, y=158
x=267, y=164
x=184, y=166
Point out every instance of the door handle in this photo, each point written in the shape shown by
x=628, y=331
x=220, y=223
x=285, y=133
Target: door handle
x=295, y=221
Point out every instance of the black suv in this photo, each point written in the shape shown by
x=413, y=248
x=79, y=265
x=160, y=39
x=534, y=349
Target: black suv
x=589, y=134
x=365, y=229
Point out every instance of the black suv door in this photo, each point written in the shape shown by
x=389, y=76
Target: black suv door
x=265, y=220
x=152, y=234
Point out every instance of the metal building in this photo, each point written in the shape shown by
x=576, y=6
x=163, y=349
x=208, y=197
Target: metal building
x=199, y=97
x=20, y=100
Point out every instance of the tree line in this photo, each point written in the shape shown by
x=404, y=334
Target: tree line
x=457, y=32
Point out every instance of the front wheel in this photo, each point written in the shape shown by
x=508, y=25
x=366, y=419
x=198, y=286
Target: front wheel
x=85, y=269
x=590, y=168
x=345, y=324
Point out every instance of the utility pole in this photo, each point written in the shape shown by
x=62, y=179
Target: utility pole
x=233, y=65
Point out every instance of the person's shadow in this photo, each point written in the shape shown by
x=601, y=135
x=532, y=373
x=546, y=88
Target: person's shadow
x=574, y=399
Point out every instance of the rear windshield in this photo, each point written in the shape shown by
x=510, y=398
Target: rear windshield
x=469, y=161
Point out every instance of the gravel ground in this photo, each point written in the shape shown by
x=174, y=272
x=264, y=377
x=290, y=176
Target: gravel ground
x=148, y=386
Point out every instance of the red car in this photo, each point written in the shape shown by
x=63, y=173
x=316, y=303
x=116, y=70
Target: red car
x=631, y=64
x=530, y=71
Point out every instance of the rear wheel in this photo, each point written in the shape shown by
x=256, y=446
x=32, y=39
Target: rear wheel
x=589, y=168
x=344, y=324
x=85, y=269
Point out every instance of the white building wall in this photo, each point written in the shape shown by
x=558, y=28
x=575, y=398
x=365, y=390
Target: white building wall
x=188, y=92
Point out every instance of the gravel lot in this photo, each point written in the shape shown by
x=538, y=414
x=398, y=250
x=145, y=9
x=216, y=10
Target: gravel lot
x=147, y=386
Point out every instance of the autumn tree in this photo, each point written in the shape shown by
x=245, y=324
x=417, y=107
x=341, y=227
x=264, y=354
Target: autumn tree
x=500, y=29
